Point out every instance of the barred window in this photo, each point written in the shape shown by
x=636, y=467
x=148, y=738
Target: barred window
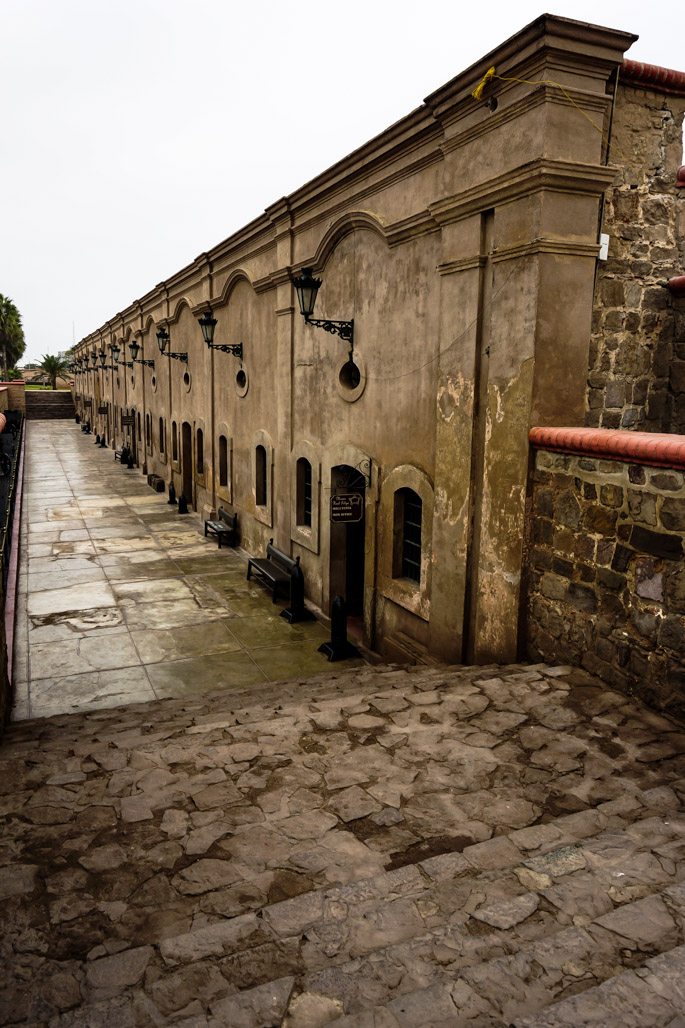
x=304, y=492
x=408, y=512
x=223, y=461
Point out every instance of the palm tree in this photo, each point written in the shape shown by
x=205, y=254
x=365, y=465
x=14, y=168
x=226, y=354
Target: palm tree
x=55, y=367
x=12, y=344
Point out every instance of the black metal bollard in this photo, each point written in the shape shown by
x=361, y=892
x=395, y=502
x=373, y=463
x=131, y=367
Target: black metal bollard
x=124, y=455
x=297, y=610
x=182, y=504
x=97, y=440
x=338, y=648
x=103, y=442
x=172, y=493
x=129, y=462
x=77, y=419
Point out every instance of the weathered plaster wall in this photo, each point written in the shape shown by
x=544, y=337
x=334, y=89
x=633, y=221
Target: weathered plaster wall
x=462, y=242
x=637, y=353
x=606, y=578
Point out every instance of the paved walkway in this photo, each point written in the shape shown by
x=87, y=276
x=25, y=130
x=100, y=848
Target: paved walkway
x=124, y=600
x=384, y=848
x=376, y=847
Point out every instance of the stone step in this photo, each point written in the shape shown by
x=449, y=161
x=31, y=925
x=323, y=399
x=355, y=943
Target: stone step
x=575, y=972
x=395, y=923
x=187, y=852
x=653, y=994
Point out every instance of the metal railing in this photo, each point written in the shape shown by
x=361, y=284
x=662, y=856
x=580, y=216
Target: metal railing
x=13, y=427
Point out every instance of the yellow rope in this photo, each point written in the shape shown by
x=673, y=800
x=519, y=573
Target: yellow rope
x=492, y=74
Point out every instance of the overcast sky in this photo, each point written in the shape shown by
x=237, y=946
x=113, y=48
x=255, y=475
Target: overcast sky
x=137, y=134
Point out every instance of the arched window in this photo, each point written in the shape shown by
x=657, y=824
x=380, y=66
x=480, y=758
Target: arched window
x=223, y=461
x=174, y=441
x=407, y=535
x=200, y=453
x=148, y=431
x=260, y=476
x=304, y=492
x=139, y=434
x=162, y=447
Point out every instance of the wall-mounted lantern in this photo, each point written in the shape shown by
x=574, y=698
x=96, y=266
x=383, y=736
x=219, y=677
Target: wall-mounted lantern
x=208, y=323
x=306, y=287
x=103, y=362
x=134, y=349
x=163, y=342
x=116, y=350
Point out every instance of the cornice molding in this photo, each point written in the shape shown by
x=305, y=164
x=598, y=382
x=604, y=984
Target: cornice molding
x=562, y=247
x=463, y=264
x=543, y=173
x=517, y=108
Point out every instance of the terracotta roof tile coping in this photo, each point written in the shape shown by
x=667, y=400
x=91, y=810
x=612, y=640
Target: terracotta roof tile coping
x=661, y=450
x=651, y=76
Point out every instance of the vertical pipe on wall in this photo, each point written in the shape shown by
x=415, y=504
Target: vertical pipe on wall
x=480, y=392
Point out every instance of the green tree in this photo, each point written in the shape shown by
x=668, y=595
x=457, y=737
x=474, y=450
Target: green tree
x=12, y=344
x=55, y=367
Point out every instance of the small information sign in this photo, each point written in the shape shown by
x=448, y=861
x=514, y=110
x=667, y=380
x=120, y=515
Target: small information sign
x=103, y=410
x=346, y=507
x=88, y=402
x=126, y=419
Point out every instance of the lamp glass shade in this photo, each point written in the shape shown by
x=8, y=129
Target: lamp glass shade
x=116, y=350
x=133, y=349
x=306, y=287
x=207, y=324
x=103, y=357
x=162, y=339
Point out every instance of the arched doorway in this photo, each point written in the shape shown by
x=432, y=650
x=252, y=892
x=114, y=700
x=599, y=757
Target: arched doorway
x=187, y=461
x=347, y=538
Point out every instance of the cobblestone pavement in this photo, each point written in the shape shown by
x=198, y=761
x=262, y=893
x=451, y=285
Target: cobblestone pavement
x=123, y=600
x=377, y=848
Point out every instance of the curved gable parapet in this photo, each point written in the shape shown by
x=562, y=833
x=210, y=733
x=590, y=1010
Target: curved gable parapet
x=344, y=226
x=178, y=309
x=235, y=277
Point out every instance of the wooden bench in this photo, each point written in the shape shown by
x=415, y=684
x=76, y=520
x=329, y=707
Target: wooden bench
x=226, y=527
x=275, y=570
x=156, y=482
x=117, y=454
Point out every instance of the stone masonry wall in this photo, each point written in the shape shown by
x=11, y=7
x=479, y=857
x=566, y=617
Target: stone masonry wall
x=606, y=578
x=637, y=351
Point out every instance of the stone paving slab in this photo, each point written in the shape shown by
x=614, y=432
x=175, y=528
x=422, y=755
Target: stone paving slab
x=193, y=859
x=112, y=578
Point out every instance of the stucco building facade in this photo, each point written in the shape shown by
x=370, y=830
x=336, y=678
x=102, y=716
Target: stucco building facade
x=464, y=244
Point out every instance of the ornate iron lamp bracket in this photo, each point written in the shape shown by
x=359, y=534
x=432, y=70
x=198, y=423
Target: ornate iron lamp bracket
x=344, y=329
x=235, y=348
x=147, y=364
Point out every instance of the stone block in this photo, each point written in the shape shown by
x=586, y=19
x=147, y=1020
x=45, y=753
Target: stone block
x=672, y=634
x=675, y=591
x=642, y=506
x=672, y=514
x=616, y=393
x=636, y=474
x=658, y=544
x=644, y=622
x=649, y=582
x=611, y=495
x=544, y=502
x=581, y=597
x=553, y=586
x=611, y=579
x=621, y=558
x=563, y=567
x=599, y=520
